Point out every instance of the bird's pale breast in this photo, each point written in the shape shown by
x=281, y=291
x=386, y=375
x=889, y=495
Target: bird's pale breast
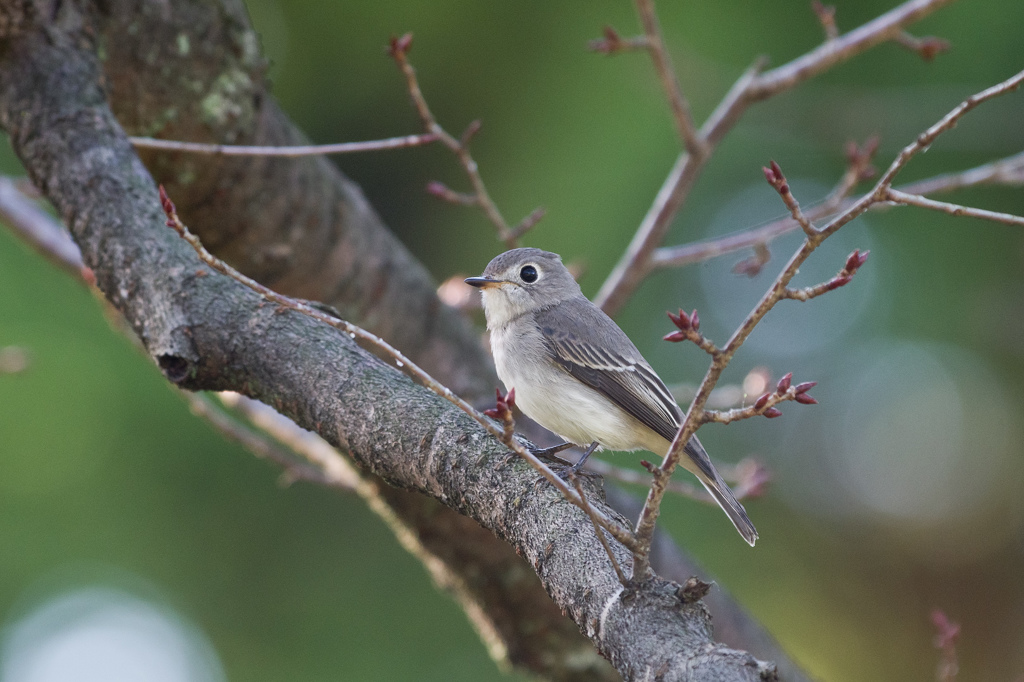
x=557, y=401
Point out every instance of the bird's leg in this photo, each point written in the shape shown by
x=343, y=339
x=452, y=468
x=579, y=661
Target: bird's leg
x=583, y=460
x=552, y=451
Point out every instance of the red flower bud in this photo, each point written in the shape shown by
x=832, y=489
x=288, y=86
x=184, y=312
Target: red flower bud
x=836, y=282
x=804, y=387
x=784, y=383
x=762, y=401
x=674, y=337
x=681, y=320
x=773, y=412
x=805, y=399
x=694, y=320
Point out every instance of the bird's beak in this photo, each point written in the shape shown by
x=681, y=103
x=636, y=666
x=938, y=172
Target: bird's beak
x=482, y=282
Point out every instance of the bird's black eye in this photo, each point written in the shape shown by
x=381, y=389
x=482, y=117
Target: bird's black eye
x=528, y=274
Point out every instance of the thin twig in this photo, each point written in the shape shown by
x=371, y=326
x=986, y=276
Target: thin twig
x=401, y=361
x=779, y=291
x=291, y=152
x=887, y=27
x=636, y=262
x=613, y=43
x=681, y=114
x=827, y=16
x=597, y=530
x=928, y=48
x=324, y=466
x=778, y=181
x=765, y=405
x=1008, y=171
x=399, y=51
x=261, y=446
x=334, y=467
x=899, y=197
x=925, y=140
x=748, y=484
x=39, y=229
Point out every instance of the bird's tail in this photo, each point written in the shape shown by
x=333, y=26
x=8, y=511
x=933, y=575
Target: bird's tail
x=706, y=473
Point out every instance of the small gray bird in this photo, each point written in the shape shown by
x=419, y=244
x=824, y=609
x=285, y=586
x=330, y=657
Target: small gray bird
x=577, y=374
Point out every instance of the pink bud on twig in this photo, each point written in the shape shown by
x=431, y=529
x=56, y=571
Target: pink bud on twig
x=836, y=282
x=682, y=320
x=804, y=387
x=784, y=383
x=805, y=399
x=773, y=412
x=762, y=401
x=399, y=47
x=674, y=337
x=856, y=260
x=166, y=203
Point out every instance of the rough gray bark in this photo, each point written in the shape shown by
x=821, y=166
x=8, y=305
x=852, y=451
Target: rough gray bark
x=206, y=332
x=302, y=227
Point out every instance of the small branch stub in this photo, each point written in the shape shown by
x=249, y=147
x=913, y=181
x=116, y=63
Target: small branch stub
x=853, y=264
x=773, y=174
x=693, y=590
x=827, y=16
x=928, y=48
x=613, y=43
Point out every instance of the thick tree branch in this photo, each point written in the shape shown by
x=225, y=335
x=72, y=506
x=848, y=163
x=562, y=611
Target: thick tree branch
x=207, y=332
x=296, y=224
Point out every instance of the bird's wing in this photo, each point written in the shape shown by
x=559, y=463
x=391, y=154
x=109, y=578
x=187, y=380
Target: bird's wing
x=579, y=337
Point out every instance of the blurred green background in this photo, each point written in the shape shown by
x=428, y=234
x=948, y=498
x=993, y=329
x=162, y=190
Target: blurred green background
x=898, y=494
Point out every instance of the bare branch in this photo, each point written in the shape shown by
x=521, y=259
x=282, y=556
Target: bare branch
x=778, y=181
x=779, y=290
x=401, y=361
x=613, y=43
x=335, y=469
x=636, y=262
x=39, y=229
x=1008, y=171
x=291, y=152
x=399, y=51
x=923, y=142
x=748, y=475
x=899, y=197
x=827, y=16
x=765, y=405
x=257, y=443
x=889, y=26
x=928, y=48
x=692, y=141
